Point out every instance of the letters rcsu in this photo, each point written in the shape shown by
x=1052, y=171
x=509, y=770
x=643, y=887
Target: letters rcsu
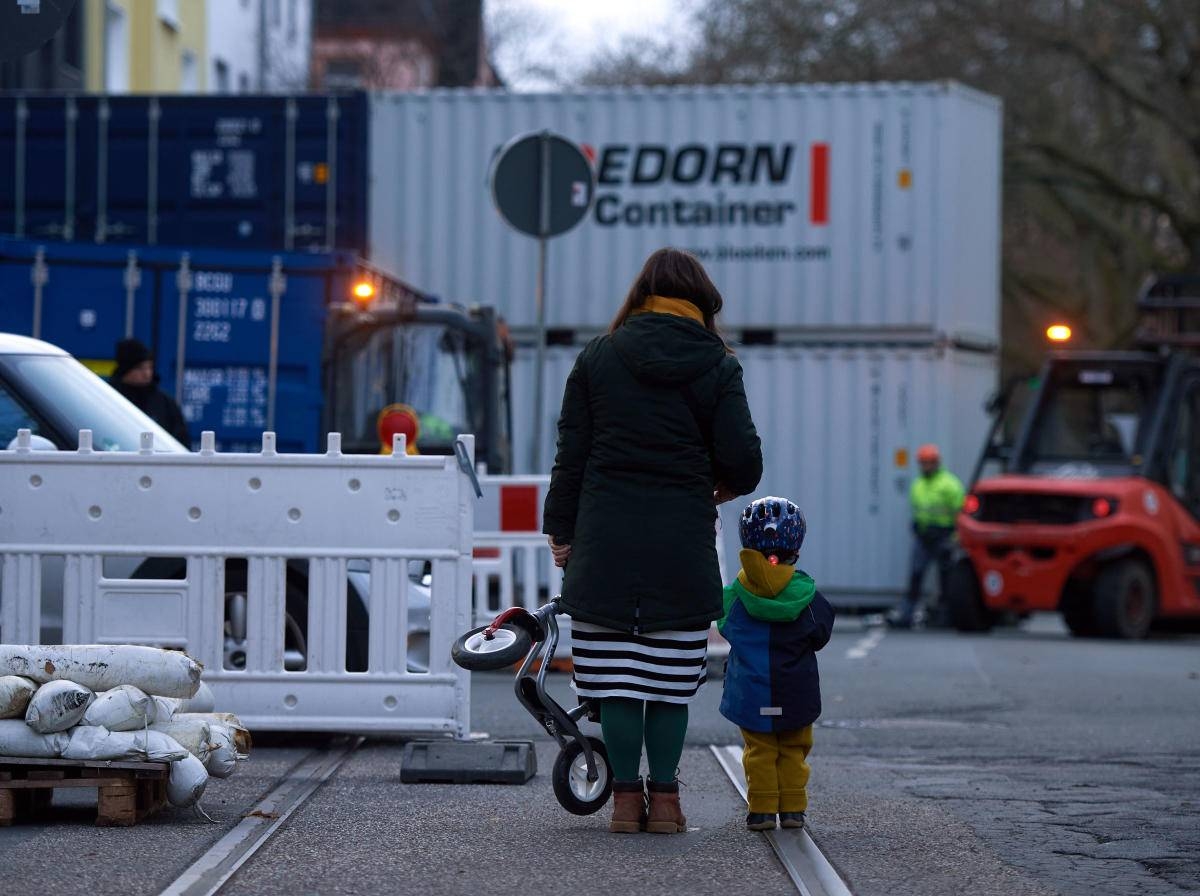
x=699, y=166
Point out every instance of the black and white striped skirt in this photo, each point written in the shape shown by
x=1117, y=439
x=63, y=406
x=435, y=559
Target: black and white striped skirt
x=667, y=666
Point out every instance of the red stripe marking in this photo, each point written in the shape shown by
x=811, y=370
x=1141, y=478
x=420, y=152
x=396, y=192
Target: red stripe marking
x=519, y=508
x=818, y=211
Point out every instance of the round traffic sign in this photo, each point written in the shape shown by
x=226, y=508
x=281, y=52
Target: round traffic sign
x=542, y=184
x=27, y=24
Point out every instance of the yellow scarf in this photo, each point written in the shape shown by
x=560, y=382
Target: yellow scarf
x=759, y=577
x=675, y=307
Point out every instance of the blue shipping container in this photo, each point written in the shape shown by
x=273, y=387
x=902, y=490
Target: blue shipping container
x=217, y=359
x=247, y=172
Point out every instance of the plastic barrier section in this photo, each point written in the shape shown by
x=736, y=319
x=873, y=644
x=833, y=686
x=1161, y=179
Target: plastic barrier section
x=513, y=564
x=276, y=551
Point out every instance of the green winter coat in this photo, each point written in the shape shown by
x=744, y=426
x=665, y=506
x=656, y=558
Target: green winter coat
x=632, y=484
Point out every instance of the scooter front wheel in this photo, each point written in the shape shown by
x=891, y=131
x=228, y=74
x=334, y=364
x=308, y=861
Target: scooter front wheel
x=574, y=791
x=478, y=653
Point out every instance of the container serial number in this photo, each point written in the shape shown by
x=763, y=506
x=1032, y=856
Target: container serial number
x=212, y=331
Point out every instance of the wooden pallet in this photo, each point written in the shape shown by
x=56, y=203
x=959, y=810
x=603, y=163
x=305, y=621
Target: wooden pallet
x=127, y=791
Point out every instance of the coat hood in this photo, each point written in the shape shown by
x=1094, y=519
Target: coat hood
x=665, y=350
x=784, y=606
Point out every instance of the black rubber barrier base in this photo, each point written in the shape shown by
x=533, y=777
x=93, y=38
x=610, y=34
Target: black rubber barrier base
x=490, y=762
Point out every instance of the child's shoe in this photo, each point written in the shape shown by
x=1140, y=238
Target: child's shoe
x=760, y=821
x=791, y=819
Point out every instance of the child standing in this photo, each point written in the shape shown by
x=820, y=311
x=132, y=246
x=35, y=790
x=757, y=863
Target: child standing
x=775, y=622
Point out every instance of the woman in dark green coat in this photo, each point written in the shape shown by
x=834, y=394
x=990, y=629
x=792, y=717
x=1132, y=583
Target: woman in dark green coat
x=654, y=432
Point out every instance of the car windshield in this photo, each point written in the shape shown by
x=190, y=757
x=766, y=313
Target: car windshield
x=72, y=398
x=431, y=368
x=1093, y=421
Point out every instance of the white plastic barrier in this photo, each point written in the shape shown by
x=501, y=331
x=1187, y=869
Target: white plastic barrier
x=268, y=509
x=513, y=564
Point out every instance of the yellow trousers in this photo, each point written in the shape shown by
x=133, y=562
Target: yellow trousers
x=776, y=766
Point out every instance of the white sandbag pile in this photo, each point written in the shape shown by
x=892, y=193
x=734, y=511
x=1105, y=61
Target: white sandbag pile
x=167, y=673
x=114, y=703
x=15, y=694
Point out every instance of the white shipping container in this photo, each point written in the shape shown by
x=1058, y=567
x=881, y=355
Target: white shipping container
x=815, y=207
x=840, y=429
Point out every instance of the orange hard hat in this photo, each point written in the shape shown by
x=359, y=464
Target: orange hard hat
x=928, y=454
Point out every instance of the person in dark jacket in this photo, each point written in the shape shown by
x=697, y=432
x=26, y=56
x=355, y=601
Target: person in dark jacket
x=134, y=377
x=775, y=622
x=655, y=431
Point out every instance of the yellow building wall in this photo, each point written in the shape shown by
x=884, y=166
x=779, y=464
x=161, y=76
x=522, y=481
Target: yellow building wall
x=193, y=33
x=155, y=47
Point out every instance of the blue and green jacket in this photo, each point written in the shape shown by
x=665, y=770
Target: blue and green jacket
x=775, y=622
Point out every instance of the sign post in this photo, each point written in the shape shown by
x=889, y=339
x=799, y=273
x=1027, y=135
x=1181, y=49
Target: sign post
x=542, y=185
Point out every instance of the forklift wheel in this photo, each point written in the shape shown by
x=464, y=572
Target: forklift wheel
x=964, y=601
x=574, y=791
x=1076, y=608
x=477, y=653
x=1125, y=600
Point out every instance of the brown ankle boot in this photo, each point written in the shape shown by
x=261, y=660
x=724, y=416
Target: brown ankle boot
x=666, y=817
x=629, y=807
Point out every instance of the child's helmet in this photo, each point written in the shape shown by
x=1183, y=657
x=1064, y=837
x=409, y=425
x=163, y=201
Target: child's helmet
x=773, y=526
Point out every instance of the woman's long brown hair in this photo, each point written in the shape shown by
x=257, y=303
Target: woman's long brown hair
x=673, y=274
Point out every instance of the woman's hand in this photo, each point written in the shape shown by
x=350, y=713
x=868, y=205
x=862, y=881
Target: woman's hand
x=560, y=551
x=721, y=494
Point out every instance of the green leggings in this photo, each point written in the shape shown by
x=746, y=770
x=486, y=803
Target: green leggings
x=626, y=724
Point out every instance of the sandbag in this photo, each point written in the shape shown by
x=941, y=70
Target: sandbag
x=187, y=782
x=95, y=743
x=101, y=667
x=242, y=741
x=194, y=735
x=57, y=706
x=19, y=740
x=203, y=701
x=15, y=693
x=123, y=708
x=223, y=758
x=164, y=709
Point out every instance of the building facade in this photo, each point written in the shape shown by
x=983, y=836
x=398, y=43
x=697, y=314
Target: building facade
x=286, y=47
x=146, y=46
x=258, y=46
x=382, y=45
x=234, y=60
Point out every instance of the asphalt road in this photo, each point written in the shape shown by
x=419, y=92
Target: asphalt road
x=1021, y=762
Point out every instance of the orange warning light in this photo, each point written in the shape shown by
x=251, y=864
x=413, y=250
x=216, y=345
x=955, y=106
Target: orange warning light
x=363, y=292
x=398, y=419
x=1058, y=333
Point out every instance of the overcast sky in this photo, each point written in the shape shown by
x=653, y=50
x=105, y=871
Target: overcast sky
x=564, y=34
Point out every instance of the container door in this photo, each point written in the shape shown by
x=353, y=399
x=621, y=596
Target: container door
x=84, y=304
x=48, y=185
x=227, y=344
x=126, y=176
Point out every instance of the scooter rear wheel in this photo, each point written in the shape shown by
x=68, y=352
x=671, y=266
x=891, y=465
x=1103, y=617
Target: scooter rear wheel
x=509, y=644
x=574, y=791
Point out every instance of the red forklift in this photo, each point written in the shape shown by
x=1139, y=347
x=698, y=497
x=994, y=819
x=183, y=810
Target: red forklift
x=1095, y=512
